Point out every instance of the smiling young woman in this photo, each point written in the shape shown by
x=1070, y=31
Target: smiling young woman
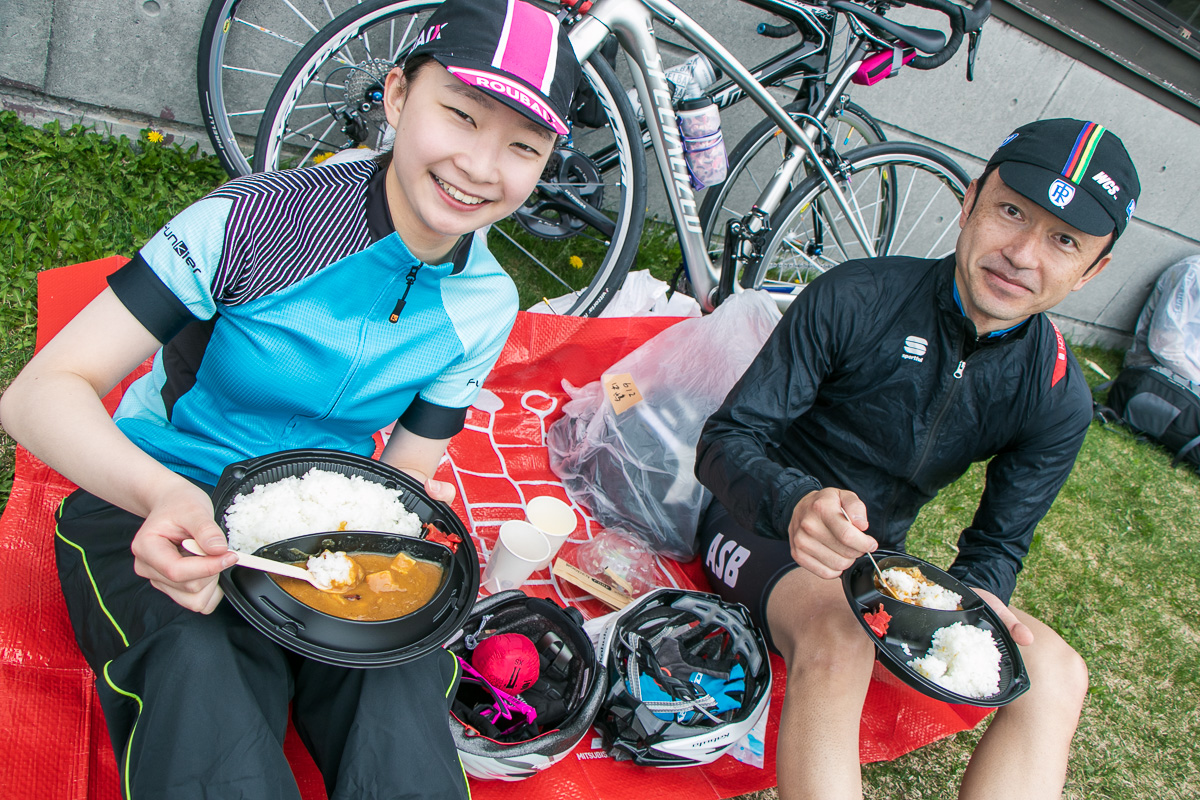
x=462, y=159
x=296, y=309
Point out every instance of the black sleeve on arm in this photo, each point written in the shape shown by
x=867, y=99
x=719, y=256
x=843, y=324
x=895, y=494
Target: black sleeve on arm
x=1022, y=483
x=149, y=300
x=432, y=421
x=780, y=385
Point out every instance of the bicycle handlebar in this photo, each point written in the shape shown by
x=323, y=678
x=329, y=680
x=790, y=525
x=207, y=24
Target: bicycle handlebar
x=777, y=31
x=962, y=20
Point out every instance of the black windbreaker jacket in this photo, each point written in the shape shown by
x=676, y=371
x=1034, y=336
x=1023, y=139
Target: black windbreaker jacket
x=874, y=381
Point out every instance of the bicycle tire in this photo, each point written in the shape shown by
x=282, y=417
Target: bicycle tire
x=541, y=224
x=244, y=47
x=752, y=161
x=809, y=233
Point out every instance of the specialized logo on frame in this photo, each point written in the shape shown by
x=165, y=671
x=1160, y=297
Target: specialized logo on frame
x=1061, y=193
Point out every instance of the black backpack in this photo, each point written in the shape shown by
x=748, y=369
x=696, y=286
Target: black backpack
x=1162, y=405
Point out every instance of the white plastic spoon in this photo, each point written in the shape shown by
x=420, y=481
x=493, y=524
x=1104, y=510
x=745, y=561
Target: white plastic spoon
x=267, y=565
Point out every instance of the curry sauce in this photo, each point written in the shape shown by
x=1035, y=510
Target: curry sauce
x=394, y=586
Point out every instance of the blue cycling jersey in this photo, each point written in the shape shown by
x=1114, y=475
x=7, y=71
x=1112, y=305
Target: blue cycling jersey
x=294, y=316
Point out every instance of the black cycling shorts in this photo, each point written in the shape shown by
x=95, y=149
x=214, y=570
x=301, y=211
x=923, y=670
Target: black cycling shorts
x=741, y=566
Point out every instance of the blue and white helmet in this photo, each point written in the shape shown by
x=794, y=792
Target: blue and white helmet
x=688, y=677
x=566, y=696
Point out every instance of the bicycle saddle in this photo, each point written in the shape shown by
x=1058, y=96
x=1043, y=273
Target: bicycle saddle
x=923, y=39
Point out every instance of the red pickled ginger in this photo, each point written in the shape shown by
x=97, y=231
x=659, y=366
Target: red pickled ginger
x=878, y=621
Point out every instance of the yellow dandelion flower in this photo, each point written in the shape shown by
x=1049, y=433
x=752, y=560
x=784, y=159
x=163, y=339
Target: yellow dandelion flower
x=154, y=136
x=576, y=262
x=319, y=157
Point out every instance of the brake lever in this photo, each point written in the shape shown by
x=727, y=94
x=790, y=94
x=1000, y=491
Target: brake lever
x=972, y=49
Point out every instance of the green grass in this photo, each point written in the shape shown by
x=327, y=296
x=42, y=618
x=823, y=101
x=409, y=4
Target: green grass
x=658, y=252
x=68, y=196
x=1113, y=567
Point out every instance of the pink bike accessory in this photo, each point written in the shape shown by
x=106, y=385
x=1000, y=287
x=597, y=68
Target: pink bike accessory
x=882, y=65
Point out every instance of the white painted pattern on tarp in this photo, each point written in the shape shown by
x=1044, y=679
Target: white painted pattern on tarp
x=540, y=405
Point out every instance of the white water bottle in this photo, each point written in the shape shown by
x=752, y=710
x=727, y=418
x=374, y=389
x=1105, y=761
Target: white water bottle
x=688, y=80
x=703, y=143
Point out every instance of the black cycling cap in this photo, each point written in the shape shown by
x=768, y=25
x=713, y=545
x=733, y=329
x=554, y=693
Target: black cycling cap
x=511, y=49
x=1078, y=171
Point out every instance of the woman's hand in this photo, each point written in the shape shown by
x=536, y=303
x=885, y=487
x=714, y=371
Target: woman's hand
x=182, y=512
x=823, y=542
x=418, y=457
x=439, y=490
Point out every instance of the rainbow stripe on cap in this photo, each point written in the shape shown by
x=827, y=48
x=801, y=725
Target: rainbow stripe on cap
x=1081, y=154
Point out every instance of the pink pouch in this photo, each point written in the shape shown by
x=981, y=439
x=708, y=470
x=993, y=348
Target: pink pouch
x=882, y=65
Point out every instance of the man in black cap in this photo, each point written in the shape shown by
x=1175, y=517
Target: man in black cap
x=883, y=383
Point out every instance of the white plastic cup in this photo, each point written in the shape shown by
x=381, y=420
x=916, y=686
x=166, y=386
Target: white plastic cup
x=554, y=518
x=520, y=548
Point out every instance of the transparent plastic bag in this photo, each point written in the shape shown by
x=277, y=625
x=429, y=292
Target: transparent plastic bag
x=635, y=470
x=1168, y=329
x=620, y=555
x=641, y=295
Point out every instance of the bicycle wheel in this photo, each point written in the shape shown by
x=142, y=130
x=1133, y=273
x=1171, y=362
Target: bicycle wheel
x=907, y=198
x=244, y=47
x=759, y=154
x=579, y=231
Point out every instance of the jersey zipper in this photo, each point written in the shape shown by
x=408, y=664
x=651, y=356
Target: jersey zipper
x=355, y=360
x=941, y=415
x=937, y=424
x=409, y=280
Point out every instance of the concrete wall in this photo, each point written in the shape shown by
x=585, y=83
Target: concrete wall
x=1019, y=79
x=127, y=64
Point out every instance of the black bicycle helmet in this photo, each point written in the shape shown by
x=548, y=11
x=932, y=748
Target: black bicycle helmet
x=509, y=738
x=688, y=677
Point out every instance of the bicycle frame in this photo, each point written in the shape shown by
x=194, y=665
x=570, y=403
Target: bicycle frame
x=633, y=23
x=790, y=62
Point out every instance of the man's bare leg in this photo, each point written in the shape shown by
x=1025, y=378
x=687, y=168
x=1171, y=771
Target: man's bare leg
x=829, y=662
x=1024, y=752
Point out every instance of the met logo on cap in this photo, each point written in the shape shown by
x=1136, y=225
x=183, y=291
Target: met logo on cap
x=1061, y=193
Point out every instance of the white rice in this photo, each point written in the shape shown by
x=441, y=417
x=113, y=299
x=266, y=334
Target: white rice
x=920, y=593
x=319, y=501
x=963, y=659
x=331, y=569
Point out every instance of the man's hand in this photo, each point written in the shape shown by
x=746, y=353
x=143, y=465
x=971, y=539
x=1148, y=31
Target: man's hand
x=184, y=511
x=823, y=542
x=1019, y=631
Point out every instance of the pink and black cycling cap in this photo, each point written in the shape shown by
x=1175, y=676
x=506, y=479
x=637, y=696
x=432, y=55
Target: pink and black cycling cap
x=512, y=50
x=1078, y=171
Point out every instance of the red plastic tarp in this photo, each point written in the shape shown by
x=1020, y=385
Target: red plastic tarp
x=53, y=742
